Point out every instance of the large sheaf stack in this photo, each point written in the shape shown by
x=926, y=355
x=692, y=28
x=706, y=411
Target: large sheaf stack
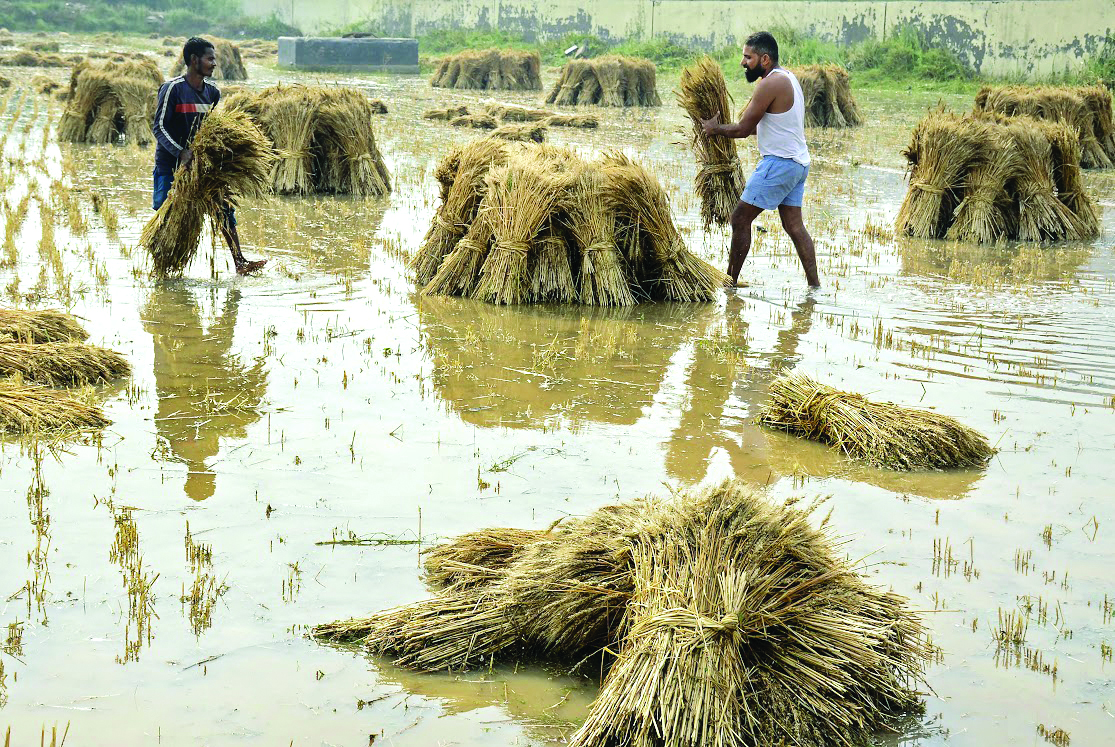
x=524, y=223
x=323, y=136
x=703, y=93
x=111, y=101
x=490, y=70
x=232, y=159
x=987, y=177
x=720, y=617
x=607, y=81
x=44, y=349
x=1086, y=109
x=230, y=64
x=828, y=96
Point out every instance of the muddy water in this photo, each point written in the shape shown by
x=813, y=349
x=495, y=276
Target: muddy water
x=160, y=578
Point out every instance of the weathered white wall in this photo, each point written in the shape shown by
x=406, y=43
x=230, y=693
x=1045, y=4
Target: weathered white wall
x=995, y=37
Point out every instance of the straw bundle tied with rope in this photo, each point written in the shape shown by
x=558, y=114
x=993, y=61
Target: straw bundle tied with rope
x=232, y=159
x=230, y=63
x=47, y=325
x=988, y=177
x=111, y=101
x=27, y=409
x=703, y=93
x=828, y=96
x=722, y=619
x=323, y=139
x=880, y=433
x=611, y=80
x=571, y=253
x=1086, y=109
x=61, y=363
x=491, y=70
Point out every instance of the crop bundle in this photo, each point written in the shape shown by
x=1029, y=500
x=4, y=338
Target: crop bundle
x=490, y=70
x=230, y=64
x=25, y=58
x=525, y=223
x=323, y=137
x=28, y=408
x=989, y=177
x=47, y=325
x=703, y=94
x=880, y=433
x=828, y=96
x=721, y=619
x=1086, y=109
x=497, y=115
x=109, y=101
x=232, y=159
x=607, y=81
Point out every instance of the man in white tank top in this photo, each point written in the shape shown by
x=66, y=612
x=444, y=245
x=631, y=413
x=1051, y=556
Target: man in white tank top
x=776, y=117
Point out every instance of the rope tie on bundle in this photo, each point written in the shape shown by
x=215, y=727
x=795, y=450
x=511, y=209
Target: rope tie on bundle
x=516, y=246
x=600, y=245
x=928, y=188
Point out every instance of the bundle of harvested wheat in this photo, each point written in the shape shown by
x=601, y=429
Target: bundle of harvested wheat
x=880, y=433
x=607, y=81
x=582, y=121
x=44, y=85
x=33, y=59
x=731, y=620
x=232, y=159
x=446, y=114
x=720, y=181
x=30, y=409
x=378, y=106
x=476, y=121
x=110, y=101
x=989, y=177
x=48, y=325
x=352, y=163
x=603, y=270
x=491, y=70
x=230, y=64
x=61, y=363
x=828, y=96
x=512, y=113
x=1086, y=109
x=521, y=132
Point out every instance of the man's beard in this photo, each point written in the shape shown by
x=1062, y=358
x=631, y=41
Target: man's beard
x=752, y=74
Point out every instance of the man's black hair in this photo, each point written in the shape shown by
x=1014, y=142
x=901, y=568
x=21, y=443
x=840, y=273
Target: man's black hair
x=763, y=43
x=195, y=46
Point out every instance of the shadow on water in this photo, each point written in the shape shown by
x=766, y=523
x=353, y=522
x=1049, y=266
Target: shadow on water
x=205, y=391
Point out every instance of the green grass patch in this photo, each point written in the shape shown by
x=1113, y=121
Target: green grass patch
x=172, y=18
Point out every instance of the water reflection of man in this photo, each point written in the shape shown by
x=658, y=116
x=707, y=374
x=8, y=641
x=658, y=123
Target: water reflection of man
x=204, y=391
x=775, y=115
x=713, y=377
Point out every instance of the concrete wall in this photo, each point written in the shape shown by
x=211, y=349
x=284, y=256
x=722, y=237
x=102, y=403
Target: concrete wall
x=994, y=37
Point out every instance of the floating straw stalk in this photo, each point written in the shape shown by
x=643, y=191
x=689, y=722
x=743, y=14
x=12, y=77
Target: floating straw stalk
x=720, y=181
x=48, y=325
x=880, y=433
x=61, y=363
x=232, y=159
x=31, y=409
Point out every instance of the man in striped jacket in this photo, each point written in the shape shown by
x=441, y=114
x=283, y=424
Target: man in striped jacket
x=183, y=103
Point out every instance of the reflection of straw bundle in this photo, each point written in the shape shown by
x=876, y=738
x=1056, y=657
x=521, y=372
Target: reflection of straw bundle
x=568, y=242
x=703, y=94
x=230, y=64
x=828, y=96
x=29, y=409
x=607, y=81
x=232, y=159
x=61, y=363
x=728, y=617
x=1086, y=109
x=109, y=101
x=490, y=69
x=48, y=325
x=988, y=177
x=882, y=434
x=323, y=138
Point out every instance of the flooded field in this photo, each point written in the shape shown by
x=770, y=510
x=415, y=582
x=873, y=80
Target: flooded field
x=289, y=442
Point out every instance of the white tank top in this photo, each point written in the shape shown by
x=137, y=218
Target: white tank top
x=783, y=135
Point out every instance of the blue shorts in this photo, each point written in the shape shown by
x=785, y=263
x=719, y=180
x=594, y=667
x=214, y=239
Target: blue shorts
x=776, y=181
x=163, y=180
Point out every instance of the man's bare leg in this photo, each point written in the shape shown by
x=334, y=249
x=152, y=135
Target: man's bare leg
x=803, y=242
x=742, y=217
x=232, y=238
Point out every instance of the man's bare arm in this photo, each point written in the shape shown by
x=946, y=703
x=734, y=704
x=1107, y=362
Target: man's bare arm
x=756, y=108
